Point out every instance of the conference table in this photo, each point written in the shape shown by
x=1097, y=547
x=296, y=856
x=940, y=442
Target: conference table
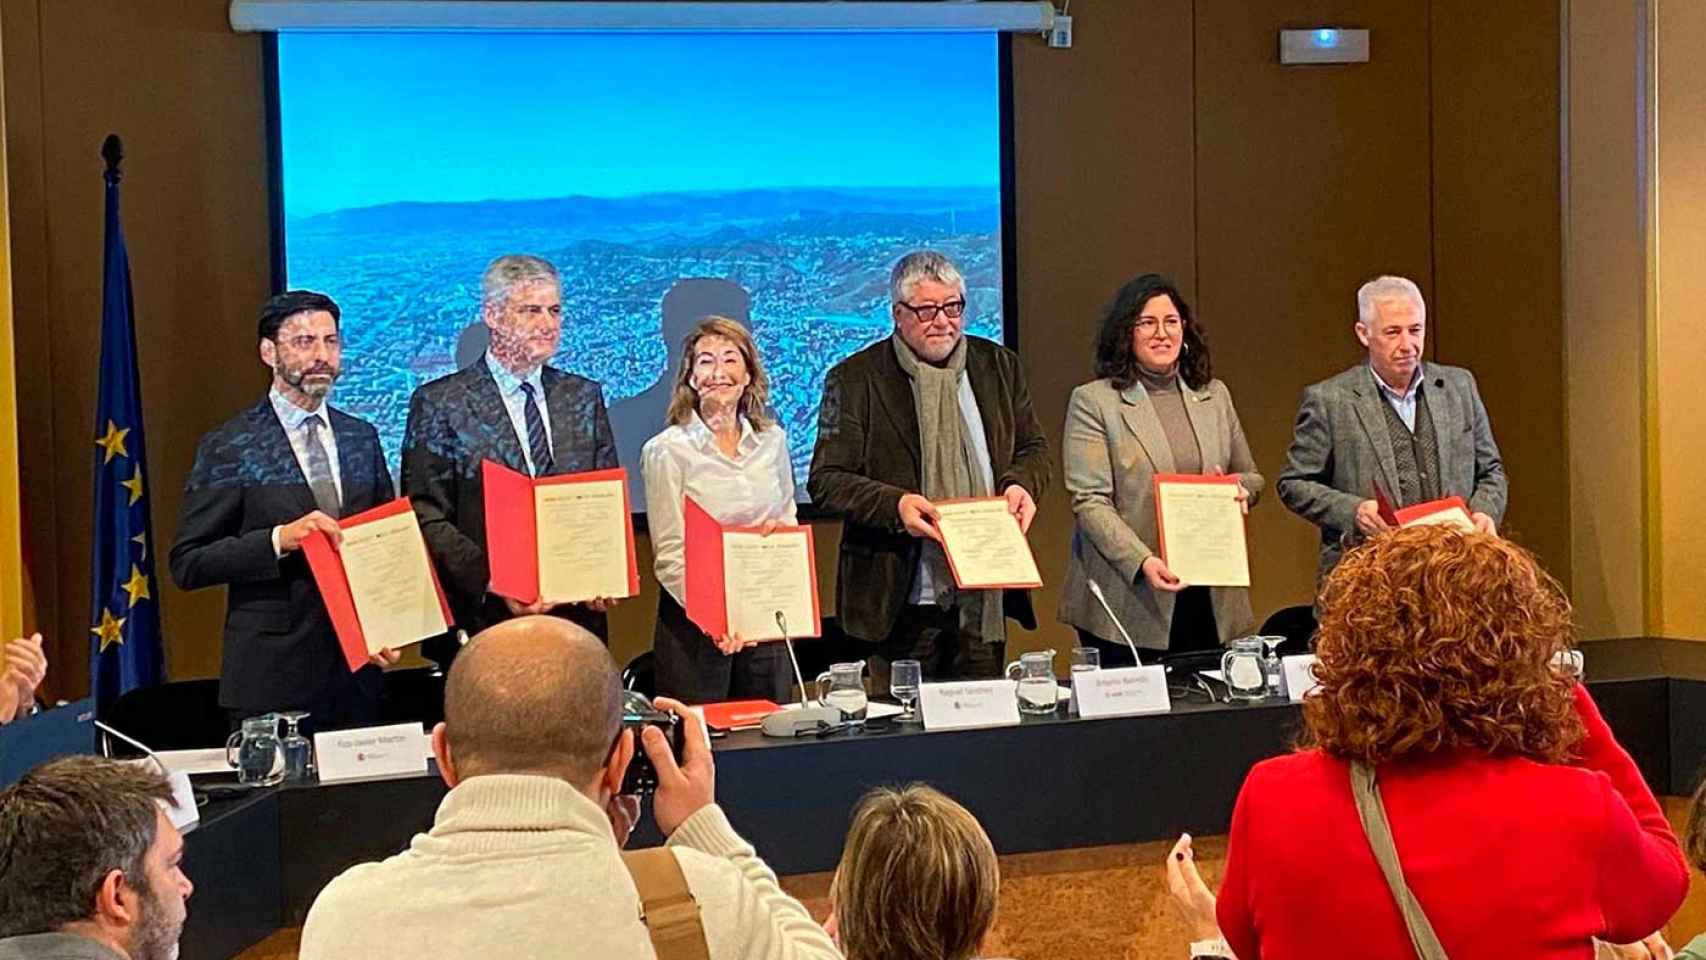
x=1049, y=783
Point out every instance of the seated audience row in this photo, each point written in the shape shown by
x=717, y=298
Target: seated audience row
x=1457, y=794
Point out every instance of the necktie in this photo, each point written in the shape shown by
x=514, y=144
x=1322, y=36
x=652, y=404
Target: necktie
x=320, y=470
x=537, y=447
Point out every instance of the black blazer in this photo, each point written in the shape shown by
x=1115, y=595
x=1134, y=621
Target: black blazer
x=459, y=420
x=867, y=457
x=280, y=651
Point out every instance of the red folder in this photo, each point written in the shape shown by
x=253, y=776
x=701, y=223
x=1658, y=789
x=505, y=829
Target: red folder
x=1416, y=511
x=1383, y=505
x=707, y=588
x=328, y=569
x=512, y=532
x=738, y=714
x=1160, y=478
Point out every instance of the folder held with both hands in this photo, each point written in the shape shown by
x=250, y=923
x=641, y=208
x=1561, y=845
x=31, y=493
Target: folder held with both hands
x=564, y=539
x=379, y=587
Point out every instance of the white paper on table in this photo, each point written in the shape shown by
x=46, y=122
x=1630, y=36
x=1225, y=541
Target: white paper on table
x=196, y=762
x=371, y=752
x=391, y=583
x=1452, y=516
x=969, y=703
x=1122, y=691
x=1299, y=675
x=984, y=545
x=1202, y=533
x=765, y=574
x=583, y=540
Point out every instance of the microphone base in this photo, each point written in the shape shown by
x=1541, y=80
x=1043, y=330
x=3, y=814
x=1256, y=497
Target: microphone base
x=792, y=723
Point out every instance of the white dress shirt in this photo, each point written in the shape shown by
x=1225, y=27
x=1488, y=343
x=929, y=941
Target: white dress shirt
x=755, y=485
x=292, y=417
x=924, y=586
x=515, y=401
x=1404, y=404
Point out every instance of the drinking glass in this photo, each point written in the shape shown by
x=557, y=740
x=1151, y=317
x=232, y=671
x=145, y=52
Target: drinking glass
x=1084, y=659
x=298, y=751
x=1271, y=667
x=904, y=677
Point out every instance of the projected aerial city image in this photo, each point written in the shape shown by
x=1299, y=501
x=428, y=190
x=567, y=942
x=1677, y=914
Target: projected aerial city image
x=780, y=195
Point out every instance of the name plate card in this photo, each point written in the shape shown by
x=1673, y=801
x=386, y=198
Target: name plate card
x=969, y=703
x=398, y=749
x=1299, y=675
x=1121, y=692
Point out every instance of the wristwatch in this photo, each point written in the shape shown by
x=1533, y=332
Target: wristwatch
x=1218, y=947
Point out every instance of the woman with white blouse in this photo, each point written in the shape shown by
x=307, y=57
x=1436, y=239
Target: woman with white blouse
x=721, y=448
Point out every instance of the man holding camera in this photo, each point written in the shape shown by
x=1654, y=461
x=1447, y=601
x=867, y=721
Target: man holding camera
x=525, y=857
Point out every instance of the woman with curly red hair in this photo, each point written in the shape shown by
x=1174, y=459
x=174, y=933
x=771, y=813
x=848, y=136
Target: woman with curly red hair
x=1458, y=795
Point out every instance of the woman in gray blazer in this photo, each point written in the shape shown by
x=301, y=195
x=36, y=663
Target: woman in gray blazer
x=1154, y=408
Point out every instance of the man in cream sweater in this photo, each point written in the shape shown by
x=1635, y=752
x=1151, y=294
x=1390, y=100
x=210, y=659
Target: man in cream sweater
x=524, y=857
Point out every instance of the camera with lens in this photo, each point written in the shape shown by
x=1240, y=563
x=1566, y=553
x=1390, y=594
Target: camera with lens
x=638, y=713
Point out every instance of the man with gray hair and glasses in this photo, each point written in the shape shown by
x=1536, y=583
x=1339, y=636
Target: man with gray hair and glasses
x=90, y=864
x=925, y=414
x=511, y=407
x=1391, y=424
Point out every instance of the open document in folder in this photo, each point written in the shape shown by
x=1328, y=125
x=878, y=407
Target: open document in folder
x=738, y=578
x=378, y=585
x=562, y=539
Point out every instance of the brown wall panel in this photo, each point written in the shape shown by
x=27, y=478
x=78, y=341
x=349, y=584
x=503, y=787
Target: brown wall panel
x=1103, y=155
x=186, y=95
x=1498, y=247
x=1310, y=180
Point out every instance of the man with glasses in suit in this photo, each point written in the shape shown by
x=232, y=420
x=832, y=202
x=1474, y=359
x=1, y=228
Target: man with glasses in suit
x=509, y=406
x=286, y=467
x=925, y=414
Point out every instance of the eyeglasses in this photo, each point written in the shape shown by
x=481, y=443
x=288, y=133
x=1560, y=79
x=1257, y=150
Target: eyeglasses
x=926, y=312
x=306, y=342
x=1148, y=325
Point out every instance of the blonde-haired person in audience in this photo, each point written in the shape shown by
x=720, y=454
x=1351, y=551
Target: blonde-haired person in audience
x=918, y=879
x=23, y=666
x=1695, y=849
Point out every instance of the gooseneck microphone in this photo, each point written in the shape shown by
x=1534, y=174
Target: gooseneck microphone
x=1096, y=591
x=782, y=624
x=807, y=719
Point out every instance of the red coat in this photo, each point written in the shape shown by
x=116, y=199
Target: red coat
x=1508, y=857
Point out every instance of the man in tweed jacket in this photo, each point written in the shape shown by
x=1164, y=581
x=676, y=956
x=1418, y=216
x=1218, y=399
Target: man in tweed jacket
x=1416, y=433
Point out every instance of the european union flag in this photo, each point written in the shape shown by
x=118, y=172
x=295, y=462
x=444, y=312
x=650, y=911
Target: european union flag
x=124, y=610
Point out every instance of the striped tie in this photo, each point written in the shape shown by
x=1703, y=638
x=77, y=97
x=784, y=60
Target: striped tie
x=537, y=446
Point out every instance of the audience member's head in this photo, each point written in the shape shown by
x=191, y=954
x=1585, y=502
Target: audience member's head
x=534, y=695
x=85, y=849
x=1431, y=639
x=918, y=879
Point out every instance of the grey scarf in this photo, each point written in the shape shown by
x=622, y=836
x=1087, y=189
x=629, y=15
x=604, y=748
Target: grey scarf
x=950, y=471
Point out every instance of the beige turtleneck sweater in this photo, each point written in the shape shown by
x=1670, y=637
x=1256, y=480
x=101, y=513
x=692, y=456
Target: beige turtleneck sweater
x=525, y=866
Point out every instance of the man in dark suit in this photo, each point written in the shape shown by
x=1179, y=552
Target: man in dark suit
x=926, y=414
x=1417, y=432
x=262, y=482
x=509, y=407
